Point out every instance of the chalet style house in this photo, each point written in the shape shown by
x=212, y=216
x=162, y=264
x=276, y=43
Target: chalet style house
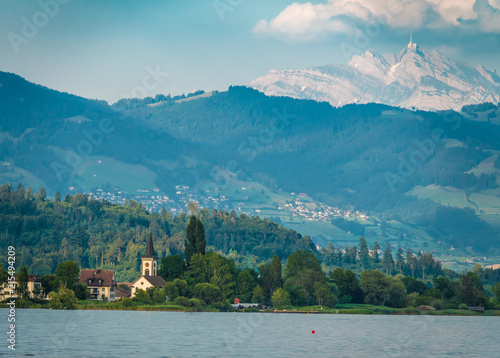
x=149, y=270
x=100, y=283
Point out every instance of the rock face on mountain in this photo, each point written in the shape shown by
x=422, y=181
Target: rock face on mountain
x=415, y=78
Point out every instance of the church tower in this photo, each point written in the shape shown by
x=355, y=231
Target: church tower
x=149, y=271
x=149, y=264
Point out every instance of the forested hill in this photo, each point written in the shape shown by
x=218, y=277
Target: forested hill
x=46, y=232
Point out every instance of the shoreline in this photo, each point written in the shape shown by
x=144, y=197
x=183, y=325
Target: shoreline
x=333, y=311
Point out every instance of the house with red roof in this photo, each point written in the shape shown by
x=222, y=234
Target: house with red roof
x=100, y=283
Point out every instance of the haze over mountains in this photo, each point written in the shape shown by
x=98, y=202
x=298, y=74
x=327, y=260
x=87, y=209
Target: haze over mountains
x=415, y=78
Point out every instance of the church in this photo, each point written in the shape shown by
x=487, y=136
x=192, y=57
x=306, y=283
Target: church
x=149, y=270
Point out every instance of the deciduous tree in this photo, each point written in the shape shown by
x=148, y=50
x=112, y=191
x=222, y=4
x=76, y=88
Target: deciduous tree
x=207, y=292
x=375, y=286
x=280, y=298
x=22, y=283
x=67, y=273
x=172, y=267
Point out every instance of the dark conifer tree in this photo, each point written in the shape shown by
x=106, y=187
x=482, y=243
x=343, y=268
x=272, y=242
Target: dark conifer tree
x=190, y=242
x=201, y=243
x=387, y=260
x=364, y=254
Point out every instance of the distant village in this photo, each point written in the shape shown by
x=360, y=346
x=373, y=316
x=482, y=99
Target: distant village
x=154, y=200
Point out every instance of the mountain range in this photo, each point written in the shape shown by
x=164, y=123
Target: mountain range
x=415, y=78
x=422, y=180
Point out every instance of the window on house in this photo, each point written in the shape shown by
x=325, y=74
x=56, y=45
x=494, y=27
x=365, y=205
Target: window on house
x=146, y=273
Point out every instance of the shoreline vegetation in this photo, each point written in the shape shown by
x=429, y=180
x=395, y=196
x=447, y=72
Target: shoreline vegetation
x=361, y=309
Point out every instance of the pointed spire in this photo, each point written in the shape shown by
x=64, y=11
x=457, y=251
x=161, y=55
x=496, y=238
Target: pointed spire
x=411, y=44
x=150, y=251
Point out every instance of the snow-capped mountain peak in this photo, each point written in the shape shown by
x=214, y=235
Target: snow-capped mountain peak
x=415, y=78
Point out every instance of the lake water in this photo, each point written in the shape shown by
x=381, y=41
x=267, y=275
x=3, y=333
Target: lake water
x=50, y=333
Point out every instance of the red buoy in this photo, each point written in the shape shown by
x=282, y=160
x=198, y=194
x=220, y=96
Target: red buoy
x=313, y=332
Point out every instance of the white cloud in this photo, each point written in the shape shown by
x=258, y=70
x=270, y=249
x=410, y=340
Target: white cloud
x=306, y=21
x=303, y=22
x=452, y=10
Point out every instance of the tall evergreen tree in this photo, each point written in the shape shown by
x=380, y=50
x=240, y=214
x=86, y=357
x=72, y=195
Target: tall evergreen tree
x=190, y=242
x=339, y=255
x=271, y=275
x=387, y=260
x=275, y=271
x=195, y=242
x=29, y=194
x=20, y=191
x=41, y=195
x=400, y=258
x=411, y=261
x=351, y=254
x=376, y=248
x=364, y=254
x=201, y=243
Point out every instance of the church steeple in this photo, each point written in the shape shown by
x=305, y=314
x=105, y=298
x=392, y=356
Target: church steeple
x=149, y=264
x=150, y=251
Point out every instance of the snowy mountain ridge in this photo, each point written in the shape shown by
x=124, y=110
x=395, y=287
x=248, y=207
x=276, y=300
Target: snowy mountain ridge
x=414, y=78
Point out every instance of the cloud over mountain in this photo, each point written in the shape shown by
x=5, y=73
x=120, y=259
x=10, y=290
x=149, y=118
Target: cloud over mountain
x=308, y=22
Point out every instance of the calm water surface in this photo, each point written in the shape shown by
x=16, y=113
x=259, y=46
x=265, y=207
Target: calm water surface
x=49, y=333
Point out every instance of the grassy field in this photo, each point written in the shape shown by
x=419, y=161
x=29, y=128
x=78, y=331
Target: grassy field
x=15, y=175
x=97, y=171
x=443, y=195
x=487, y=166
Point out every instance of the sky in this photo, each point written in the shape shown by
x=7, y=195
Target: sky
x=109, y=50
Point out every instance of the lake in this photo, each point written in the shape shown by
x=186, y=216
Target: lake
x=50, y=333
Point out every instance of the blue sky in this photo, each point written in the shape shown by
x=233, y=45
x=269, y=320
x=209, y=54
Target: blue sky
x=106, y=49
